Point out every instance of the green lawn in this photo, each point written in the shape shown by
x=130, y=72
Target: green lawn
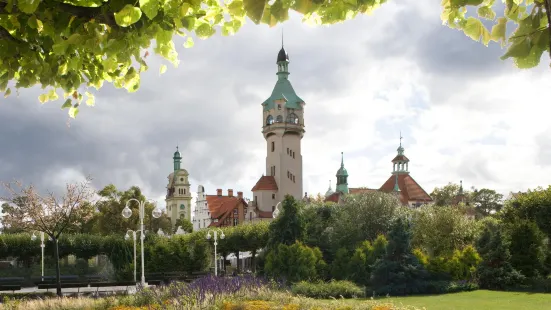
x=481, y=299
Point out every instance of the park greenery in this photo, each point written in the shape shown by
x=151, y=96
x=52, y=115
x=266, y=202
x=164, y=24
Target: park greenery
x=76, y=45
x=369, y=243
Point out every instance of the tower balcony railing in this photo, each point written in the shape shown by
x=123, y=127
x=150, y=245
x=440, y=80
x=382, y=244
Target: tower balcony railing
x=284, y=125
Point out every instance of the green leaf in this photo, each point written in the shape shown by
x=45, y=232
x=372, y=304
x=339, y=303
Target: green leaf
x=486, y=12
x=73, y=111
x=475, y=30
x=52, y=95
x=67, y=104
x=189, y=42
x=255, y=9
x=43, y=98
x=28, y=6
x=204, y=31
x=150, y=8
x=499, y=31
x=128, y=15
x=62, y=70
x=530, y=61
x=520, y=48
x=162, y=69
x=91, y=100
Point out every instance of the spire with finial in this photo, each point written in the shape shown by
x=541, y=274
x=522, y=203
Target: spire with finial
x=400, y=162
x=342, y=177
x=396, y=187
x=282, y=61
x=177, y=159
x=460, y=187
x=329, y=191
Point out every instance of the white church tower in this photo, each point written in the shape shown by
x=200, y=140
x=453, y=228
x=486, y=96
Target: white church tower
x=201, y=217
x=178, y=197
x=283, y=129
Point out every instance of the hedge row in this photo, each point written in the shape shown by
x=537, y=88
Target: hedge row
x=190, y=252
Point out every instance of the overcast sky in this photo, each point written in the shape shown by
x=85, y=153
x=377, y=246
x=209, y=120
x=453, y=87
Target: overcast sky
x=464, y=114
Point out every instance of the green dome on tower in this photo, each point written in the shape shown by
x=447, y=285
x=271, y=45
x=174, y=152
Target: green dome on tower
x=342, y=178
x=177, y=154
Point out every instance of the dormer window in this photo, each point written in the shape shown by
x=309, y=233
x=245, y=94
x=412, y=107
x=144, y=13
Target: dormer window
x=279, y=106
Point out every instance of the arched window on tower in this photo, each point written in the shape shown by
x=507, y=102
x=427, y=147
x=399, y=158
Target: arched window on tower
x=269, y=120
x=273, y=146
x=292, y=119
x=279, y=119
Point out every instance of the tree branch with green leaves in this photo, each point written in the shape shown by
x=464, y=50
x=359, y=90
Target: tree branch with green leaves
x=525, y=45
x=73, y=46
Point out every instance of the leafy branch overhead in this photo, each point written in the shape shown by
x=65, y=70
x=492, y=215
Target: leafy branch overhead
x=525, y=45
x=73, y=45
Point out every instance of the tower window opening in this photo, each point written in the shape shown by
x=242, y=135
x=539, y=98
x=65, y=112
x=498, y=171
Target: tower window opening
x=273, y=146
x=279, y=119
x=293, y=179
x=273, y=196
x=293, y=154
x=292, y=118
x=279, y=106
x=287, y=151
x=269, y=120
x=184, y=191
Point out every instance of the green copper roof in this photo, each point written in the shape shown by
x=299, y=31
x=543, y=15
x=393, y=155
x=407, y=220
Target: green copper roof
x=177, y=154
x=342, y=171
x=283, y=88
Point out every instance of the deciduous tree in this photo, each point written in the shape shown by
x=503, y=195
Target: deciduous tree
x=51, y=213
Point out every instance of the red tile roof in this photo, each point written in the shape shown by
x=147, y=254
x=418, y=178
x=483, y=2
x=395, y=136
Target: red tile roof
x=361, y=190
x=410, y=189
x=265, y=183
x=221, y=206
x=333, y=197
x=400, y=158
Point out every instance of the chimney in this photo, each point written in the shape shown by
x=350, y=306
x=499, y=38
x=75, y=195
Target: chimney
x=240, y=195
x=219, y=192
x=230, y=192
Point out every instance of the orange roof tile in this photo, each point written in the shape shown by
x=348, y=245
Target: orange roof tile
x=333, y=197
x=410, y=189
x=220, y=206
x=361, y=190
x=400, y=158
x=265, y=183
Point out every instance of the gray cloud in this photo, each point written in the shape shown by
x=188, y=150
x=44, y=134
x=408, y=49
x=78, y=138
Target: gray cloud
x=210, y=105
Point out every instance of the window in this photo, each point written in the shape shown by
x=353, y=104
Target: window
x=181, y=179
x=273, y=146
x=255, y=197
x=272, y=171
x=292, y=118
x=287, y=151
x=269, y=120
x=184, y=191
x=293, y=154
x=273, y=208
x=279, y=119
x=279, y=106
x=273, y=196
x=288, y=174
x=293, y=179
x=235, y=221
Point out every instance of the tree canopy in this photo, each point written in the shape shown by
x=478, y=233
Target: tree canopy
x=71, y=46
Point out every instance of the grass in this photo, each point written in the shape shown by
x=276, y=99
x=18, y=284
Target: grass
x=481, y=299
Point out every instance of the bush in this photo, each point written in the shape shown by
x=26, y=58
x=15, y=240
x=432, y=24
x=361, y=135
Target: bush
x=325, y=290
x=295, y=263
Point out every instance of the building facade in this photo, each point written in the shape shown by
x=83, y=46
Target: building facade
x=178, y=196
x=283, y=130
x=400, y=183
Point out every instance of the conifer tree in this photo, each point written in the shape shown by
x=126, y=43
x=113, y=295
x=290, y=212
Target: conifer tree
x=399, y=272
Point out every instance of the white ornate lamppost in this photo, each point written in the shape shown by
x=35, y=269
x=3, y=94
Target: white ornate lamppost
x=42, y=245
x=276, y=211
x=127, y=212
x=126, y=237
x=215, y=244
